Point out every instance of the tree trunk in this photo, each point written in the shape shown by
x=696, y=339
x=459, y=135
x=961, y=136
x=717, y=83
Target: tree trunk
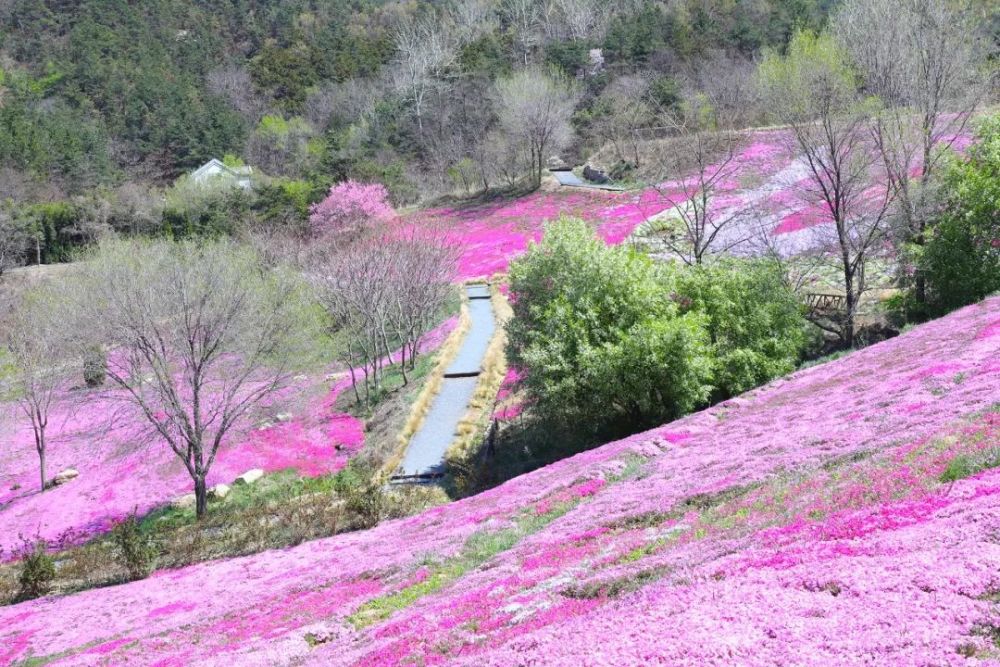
x=200, y=496
x=849, y=315
x=41, y=463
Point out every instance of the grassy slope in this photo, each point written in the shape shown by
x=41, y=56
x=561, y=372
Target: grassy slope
x=805, y=522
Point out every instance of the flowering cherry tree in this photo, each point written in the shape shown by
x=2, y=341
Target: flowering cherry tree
x=350, y=208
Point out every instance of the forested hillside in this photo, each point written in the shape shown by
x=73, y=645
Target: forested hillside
x=100, y=92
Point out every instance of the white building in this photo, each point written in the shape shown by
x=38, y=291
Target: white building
x=215, y=169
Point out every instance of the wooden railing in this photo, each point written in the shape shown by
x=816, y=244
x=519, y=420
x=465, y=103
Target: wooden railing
x=826, y=302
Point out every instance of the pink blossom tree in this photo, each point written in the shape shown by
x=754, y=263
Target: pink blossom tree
x=350, y=208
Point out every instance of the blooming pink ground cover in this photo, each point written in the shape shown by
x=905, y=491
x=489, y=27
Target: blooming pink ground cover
x=803, y=523
x=766, y=183
x=120, y=472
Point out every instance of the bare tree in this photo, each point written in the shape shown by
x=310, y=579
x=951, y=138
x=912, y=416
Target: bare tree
x=235, y=85
x=423, y=275
x=424, y=51
x=39, y=344
x=352, y=282
x=501, y=158
x=727, y=83
x=138, y=210
x=282, y=147
x=382, y=291
x=474, y=18
x=627, y=113
x=458, y=118
x=523, y=19
x=926, y=60
x=534, y=108
x=200, y=334
x=577, y=19
x=813, y=91
x=691, y=186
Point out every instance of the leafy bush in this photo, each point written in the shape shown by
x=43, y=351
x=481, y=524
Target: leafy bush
x=95, y=366
x=363, y=493
x=755, y=322
x=961, y=261
x=134, y=549
x=603, y=346
x=37, y=570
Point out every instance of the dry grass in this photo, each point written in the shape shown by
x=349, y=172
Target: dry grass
x=279, y=511
x=474, y=423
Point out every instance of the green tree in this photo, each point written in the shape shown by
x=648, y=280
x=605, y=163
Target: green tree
x=962, y=259
x=604, y=347
x=755, y=322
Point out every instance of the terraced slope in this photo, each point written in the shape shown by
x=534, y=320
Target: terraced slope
x=847, y=514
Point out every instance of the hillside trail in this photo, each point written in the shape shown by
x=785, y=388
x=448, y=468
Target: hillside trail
x=425, y=453
x=571, y=180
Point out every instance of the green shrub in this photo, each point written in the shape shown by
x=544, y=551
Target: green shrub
x=37, y=570
x=134, y=549
x=363, y=493
x=755, y=322
x=961, y=261
x=603, y=345
x=967, y=465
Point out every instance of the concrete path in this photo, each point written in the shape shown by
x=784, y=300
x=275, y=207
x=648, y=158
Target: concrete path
x=569, y=179
x=424, y=459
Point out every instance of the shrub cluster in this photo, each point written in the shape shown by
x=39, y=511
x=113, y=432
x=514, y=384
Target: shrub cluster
x=134, y=548
x=37, y=570
x=612, y=342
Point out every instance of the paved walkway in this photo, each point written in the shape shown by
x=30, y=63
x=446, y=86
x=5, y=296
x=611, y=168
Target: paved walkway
x=424, y=459
x=571, y=180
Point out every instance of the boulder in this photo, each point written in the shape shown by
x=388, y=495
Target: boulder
x=184, y=502
x=283, y=416
x=594, y=175
x=219, y=491
x=65, y=476
x=249, y=477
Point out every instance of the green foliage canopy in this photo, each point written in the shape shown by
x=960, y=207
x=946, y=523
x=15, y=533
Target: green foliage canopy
x=602, y=343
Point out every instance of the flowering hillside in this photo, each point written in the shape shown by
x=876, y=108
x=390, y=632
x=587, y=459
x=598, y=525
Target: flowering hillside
x=846, y=514
x=122, y=470
x=765, y=181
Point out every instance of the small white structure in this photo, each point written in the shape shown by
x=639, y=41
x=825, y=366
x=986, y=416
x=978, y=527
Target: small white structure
x=216, y=169
x=596, y=60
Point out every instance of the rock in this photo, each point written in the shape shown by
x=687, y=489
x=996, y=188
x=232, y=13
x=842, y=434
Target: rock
x=284, y=416
x=65, y=476
x=184, y=502
x=594, y=175
x=249, y=477
x=264, y=425
x=219, y=491
x=300, y=378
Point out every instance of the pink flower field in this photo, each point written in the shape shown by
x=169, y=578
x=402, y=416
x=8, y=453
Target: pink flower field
x=765, y=182
x=803, y=523
x=120, y=472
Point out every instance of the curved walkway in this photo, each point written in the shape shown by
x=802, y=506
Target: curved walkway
x=424, y=459
x=571, y=180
